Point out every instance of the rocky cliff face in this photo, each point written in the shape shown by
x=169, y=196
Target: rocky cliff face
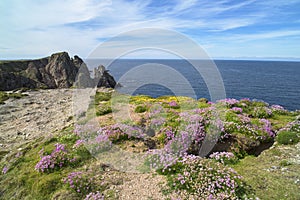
x=103, y=78
x=55, y=71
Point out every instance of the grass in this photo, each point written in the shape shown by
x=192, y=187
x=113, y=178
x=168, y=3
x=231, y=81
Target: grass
x=269, y=175
x=5, y=96
x=22, y=181
x=288, y=137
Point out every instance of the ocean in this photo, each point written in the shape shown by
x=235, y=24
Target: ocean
x=275, y=82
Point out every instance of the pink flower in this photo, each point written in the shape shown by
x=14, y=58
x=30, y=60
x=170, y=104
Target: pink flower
x=173, y=104
x=5, y=169
x=237, y=109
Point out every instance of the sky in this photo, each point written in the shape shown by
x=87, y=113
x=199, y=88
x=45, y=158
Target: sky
x=229, y=29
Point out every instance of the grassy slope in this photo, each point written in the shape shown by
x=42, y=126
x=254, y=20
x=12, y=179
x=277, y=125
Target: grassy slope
x=272, y=175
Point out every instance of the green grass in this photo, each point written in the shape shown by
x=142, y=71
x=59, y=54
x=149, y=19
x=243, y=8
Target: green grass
x=22, y=181
x=281, y=120
x=5, y=96
x=140, y=109
x=287, y=137
x=102, y=96
x=268, y=177
x=271, y=175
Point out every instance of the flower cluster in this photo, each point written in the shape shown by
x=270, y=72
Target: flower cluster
x=293, y=126
x=262, y=112
x=207, y=180
x=99, y=144
x=278, y=109
x=228, y=102
x=223, y=157
x=237, y=109
x=94, y=196
x=57, y=159
x=119, y=131
x=79, y=182
x=173, y=104
x=176, y=148
x=267, y=127
x=79, y=143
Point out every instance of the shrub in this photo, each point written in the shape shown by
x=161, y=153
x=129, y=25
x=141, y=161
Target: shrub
x=140, y=109
x=102, y=96
x=103, y=109
x=287, y=137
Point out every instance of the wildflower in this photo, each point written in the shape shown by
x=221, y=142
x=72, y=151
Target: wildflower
x=79, y=182
x=78, y=143
x=59, y=157
x=173, y=104
x=237, y=109
x=4, y=170
x=94, y=196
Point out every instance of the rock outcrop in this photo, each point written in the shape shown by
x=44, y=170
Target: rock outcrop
x=103, y=78
x=55, y=71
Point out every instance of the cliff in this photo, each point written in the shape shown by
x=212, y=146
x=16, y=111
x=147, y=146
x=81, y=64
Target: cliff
x=55, y=71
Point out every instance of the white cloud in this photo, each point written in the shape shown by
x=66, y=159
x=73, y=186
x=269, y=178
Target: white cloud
x=33, y=29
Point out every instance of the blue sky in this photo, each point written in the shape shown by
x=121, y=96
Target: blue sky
x=224, y=29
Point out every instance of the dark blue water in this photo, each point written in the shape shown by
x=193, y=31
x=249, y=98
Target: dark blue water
x=275, y=82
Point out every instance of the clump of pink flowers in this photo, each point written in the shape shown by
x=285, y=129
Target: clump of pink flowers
x=173, y=104
x=206, y=179
x=228, y=102
x=79, y=182
x=58, y=158
x=237, y=109
x=223, y=157
x=278, y=109
x=94, y=196
x=79, y=143
x=267, y=127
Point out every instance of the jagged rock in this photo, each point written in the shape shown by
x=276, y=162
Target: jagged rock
x=60, y=72
x=103, y=78
x=84, y=79
x=56, y=71
x=77, y=61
